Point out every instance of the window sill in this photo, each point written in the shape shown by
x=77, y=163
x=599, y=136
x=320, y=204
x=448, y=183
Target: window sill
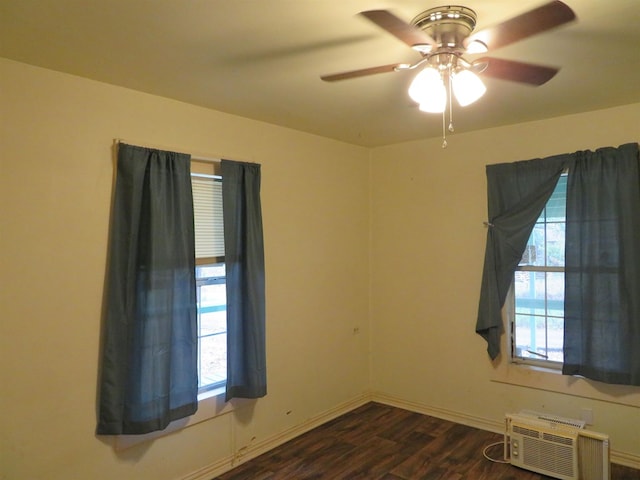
x=552, y=380
x=211, y=404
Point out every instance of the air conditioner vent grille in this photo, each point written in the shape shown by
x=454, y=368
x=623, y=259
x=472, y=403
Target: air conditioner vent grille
x=526, y=431
x=554, y=419
x=557, y=439
x=549, y=457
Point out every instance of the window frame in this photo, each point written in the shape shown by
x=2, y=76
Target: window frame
x=510, y=303
x=203, y=170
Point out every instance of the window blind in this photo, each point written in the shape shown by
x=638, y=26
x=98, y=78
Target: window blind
x=207, y=209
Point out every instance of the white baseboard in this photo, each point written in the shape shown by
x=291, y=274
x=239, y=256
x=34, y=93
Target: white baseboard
x=248, y=453
x=450, y=415
x=626, y=459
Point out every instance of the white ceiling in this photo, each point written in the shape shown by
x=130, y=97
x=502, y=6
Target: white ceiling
x=262, y=59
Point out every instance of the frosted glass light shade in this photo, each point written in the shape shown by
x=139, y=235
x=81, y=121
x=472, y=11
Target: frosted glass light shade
x=434, y=105
x=428, y=90
x=467, y=87
x=477, y=46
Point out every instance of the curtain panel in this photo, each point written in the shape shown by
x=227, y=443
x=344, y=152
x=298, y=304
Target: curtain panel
x=149, y=357
x=244, y=260
x=516, y=195
x=602, y=266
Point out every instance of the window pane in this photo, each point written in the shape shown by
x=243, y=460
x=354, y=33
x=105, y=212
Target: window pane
x=205, y=271
x=555, y=209
x=213, y=322
x=524, y=325
x=530, y=336
x=555, y=338
x=212, y=325
x=213, y=359
x=537, y=245
x=213, y=298
x=555, y=294
x=539, y=346
x=530, y=292
x=555, y=244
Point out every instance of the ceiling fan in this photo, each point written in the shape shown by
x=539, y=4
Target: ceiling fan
x=442, y=35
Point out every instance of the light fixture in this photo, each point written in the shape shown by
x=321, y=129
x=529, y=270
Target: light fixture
x=477, y=46
x=445, y=74
x=467, y=87
x=428, y=91
x=442, y=35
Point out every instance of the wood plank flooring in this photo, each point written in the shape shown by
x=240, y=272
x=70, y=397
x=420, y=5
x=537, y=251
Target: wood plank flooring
x=379, y=442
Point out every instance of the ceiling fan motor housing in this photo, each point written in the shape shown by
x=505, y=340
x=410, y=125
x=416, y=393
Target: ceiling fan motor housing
x=448, y=25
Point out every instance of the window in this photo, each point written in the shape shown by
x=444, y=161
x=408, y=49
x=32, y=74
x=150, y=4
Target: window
x=210, y=276
x=212, y=326
x=537, y=312
x=599, y=273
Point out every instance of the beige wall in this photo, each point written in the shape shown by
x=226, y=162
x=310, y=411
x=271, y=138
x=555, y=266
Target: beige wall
x=428, y=208
x=55, y=192
x=415, y=266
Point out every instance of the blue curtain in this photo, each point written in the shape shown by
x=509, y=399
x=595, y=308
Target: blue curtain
x=516, y=194
x=244, y=260
x=149, y=363
x=602, y=273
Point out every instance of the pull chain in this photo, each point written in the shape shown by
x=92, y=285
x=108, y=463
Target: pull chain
x=444, y=110
x=444, y=130
x=450, y=102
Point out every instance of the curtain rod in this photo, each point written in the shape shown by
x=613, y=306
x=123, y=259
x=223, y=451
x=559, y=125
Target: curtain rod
x=193, y=157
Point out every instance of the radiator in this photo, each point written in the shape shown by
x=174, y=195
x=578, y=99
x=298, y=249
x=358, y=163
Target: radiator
x=556, y=446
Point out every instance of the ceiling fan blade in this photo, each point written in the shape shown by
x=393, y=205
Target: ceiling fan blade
x=545, y=17
x=516, y=71
x=361, y=73
x=398, y=28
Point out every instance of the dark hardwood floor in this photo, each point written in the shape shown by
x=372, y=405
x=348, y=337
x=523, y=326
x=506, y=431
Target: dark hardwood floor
x=379, y=442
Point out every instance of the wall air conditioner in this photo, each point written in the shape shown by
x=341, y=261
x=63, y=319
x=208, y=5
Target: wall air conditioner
x=556, y=446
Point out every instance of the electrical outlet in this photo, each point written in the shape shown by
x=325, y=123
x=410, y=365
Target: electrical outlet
x=586, y=415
